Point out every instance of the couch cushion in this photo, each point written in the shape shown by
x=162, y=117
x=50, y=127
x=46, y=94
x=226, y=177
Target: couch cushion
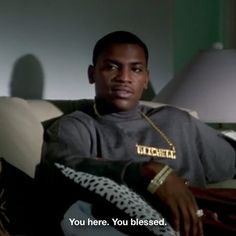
x=157, y=104
x=44, y=110
x=48, y=109
x=21, y=134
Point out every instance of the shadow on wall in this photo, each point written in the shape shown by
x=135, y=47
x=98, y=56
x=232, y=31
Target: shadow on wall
x=27, y=79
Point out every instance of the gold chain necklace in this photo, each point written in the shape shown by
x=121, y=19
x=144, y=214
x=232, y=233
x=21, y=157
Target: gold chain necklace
x=96, y=111
x=168, y=153
x=159, y=152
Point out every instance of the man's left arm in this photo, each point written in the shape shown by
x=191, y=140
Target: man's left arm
x=217, y=154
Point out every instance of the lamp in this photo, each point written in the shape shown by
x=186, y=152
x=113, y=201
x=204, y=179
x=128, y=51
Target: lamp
x=207, y=85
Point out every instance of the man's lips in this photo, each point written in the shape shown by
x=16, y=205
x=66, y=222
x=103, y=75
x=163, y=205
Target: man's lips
x=122, y=92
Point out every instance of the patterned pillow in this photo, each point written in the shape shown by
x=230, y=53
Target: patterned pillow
x=122, y=198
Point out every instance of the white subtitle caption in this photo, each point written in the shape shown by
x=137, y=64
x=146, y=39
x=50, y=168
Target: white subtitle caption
x=116, y=222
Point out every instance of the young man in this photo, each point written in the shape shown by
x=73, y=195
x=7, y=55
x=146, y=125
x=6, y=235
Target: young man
x=117, y=138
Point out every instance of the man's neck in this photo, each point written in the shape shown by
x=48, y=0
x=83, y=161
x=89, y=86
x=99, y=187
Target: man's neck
x=105, y=108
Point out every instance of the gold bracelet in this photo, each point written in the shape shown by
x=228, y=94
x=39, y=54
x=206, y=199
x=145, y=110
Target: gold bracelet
x=159, y=179
x=160, y=173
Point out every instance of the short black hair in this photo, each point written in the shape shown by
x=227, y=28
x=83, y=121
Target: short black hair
x=117, y=37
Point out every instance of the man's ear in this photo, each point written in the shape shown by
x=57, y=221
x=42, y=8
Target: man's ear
x=91, y=74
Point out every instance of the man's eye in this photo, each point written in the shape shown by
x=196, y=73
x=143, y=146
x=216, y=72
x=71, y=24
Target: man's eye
x=112, y=67
x=137, y=69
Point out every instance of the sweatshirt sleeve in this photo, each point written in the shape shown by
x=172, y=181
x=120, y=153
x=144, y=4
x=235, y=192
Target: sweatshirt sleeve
x=71, y=142
x=218, y=156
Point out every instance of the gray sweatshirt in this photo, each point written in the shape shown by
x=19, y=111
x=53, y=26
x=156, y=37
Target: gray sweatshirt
x=116, y=145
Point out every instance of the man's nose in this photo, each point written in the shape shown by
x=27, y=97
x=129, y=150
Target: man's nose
x=124, y=75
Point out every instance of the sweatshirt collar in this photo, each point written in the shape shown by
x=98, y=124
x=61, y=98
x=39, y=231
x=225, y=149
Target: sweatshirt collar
x=102, y=111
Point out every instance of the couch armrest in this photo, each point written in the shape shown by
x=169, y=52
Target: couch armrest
x=231, y=183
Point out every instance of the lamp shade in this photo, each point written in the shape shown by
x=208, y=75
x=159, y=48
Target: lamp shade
x=207, y=85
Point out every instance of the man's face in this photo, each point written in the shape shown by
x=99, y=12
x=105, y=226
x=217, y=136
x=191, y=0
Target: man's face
x=120, y=75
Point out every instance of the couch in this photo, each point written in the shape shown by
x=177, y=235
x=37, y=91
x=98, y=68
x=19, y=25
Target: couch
x=21, y=135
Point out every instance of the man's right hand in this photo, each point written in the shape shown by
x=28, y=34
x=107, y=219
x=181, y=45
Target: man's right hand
x=179, y=200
